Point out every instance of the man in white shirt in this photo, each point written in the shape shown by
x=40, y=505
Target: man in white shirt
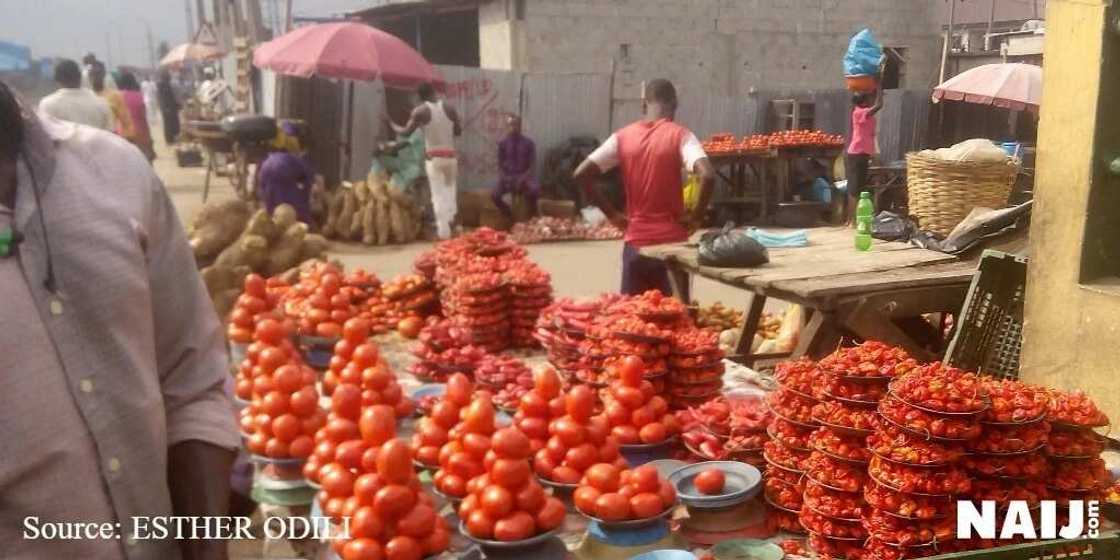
x=73, y=103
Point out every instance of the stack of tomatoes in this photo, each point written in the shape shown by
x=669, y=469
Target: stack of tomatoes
x=374, y=488
x=636, y=414
x=506, y=503
x=530, y=290
x=720, y=144
x=283, y=414
x=611, y=493
x=467, y=453
x=696, y=367
x=432, y=431
x=1076, y=469
x=258, y=300
x=508, y=377
x=787, y=452
x=722, y=428
x=927, y=419
x=322, y=303
x=357, y=363
x=539, y=406
x=561, y=328
x=444, y=349
x=576, y=440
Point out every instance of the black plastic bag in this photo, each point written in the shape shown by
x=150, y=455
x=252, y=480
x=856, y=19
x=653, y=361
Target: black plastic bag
x=975, y=230
x=888, y=226
x=730, y=248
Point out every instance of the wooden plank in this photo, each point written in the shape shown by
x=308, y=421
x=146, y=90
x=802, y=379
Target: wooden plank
x=959, y=272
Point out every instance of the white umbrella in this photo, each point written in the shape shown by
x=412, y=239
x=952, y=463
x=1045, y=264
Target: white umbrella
x=191, y=52
x=1010, y=86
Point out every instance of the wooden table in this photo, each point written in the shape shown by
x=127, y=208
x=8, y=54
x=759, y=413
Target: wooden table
x=771, y=176
x=848, y=293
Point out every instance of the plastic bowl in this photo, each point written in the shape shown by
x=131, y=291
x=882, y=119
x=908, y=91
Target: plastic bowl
x=665, y=555
x=742, y=482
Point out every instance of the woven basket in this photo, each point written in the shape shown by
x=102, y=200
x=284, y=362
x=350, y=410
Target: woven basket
x=943, y=192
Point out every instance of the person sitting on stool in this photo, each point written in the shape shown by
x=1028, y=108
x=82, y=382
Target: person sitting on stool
x=517, y=156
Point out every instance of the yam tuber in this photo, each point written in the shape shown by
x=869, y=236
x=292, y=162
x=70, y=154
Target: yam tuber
x=284, y=253
x=216, y=226
x=261, y=225
x=314, y=247
x=284, y=216
x=334, y=209
x=342, y=226
x=251, y=250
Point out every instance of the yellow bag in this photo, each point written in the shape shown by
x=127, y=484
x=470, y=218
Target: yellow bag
x=691, y=192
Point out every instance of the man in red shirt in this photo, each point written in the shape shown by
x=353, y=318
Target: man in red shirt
x=651, y=155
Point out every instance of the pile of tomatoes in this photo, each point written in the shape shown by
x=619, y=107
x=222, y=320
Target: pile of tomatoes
x=726, y=144
x=635, y=413
x=283, y=413
x=381, y=498
x=259, y=299
x=507, y=376
x=612, y=493
x=506, y=502
x=432, y=431
x=539, y=406
x=357, y=362
x=577, y=440
x=468, y=454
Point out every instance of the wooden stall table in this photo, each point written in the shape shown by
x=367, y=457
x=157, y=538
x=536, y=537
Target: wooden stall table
x=745, y=175
x=846, y=292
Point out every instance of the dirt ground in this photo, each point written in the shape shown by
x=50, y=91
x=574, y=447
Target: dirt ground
x=578, y=268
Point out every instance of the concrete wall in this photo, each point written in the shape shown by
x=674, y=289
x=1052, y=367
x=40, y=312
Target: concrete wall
x=1073, y=321
x=723, y=46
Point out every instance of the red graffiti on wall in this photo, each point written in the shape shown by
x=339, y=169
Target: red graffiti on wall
x=474, y=87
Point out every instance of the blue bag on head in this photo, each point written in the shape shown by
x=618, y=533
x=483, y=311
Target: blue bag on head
x=863, y=55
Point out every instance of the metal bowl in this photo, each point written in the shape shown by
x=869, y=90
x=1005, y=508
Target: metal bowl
x=506, y=545
x=741, y=483
x=629, y=523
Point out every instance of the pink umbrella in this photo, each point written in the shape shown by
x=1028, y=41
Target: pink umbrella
x=1010, y=86
x=346, y=50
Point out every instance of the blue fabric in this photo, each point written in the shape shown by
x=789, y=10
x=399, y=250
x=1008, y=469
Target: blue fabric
x=629, y=537
x=771, y=239
x=863, y=56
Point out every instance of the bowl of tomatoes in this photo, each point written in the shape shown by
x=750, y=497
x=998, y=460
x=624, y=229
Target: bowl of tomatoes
x=602, y=497
x=716, y=484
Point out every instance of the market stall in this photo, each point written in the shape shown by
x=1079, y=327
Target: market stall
x=847, y=291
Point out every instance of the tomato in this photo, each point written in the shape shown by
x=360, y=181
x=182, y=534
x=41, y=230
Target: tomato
x=653, y=433
x=647, y=389
x=276, y=448
x=339, y=483
x=275, y=403
x=349, y=454
x=301, y=447
x=556, y=449
x=362, y=549
x=377, y=377
x=510, y=473
x=459, y=390
x=394, y=462
x=659, y=406
x=445, y=413
x=346, y=401
x=480, y=525
x=585, y=498
x=612, y=507
x=450, y=448
x=403, y=548
x=509, y=443
x=556, y=407
x=543, y=464
x=312, y=425
x=464, y=465
x=547, y=383
x=428, y=454
x=366, y=486
x=479, y=417
x=366, y=524
x=629, y=397
x=496, y=501
x=257, y=443
x=476, y=444
x=341, y=429
x=580, y=403
x=328, y=330
x=378, y=424
x=269, y=331
x=393, y=500
x=608, y=450
x=710, y=482
x=646, y=504
x=468, y=506
x=626, y=435
x=242, y=318
x=581, y=457
x=325, y=450
x=437, y=542
x=641, y=416
x=551, y=515
x=354, y=332
x=530, y=497
x=418, y=522
x=535, y=428
x=534, y=405
x=430, y=433
x=565, y=475
x=286, y=427
x=409, y=327
x=617, y=414
x=645, y=479
x=631, y=370
x=603, y=477
x=304, y=402
x=667, y=492
x=517, y=526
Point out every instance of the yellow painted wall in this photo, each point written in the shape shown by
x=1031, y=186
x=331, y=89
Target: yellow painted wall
x=1072, y=332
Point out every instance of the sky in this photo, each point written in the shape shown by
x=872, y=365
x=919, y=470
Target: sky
x=116, y=30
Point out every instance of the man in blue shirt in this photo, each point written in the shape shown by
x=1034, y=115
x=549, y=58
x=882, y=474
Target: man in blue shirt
x=517, y=157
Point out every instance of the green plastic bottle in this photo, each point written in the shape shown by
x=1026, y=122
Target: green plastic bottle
x=864, y=214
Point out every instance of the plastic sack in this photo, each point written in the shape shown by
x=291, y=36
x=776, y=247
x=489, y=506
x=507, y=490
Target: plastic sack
x=888, y=226
x=976, y=149
x=691, y=192
x=593, y=216
x=863, y=55
x=729, y=248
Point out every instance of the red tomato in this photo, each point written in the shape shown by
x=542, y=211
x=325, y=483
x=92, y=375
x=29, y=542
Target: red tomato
x=496, y=501
x=394, y=462
x=378, y=377
x=710, y=482
x=346, y=401
x=328, y=330
x=530, y=497
x=653, y=433
x=301, y=447
x=641, y=416
x=431, y=433
x=667, y=492
x=547, y=382
x=462, y=464
x=269, y=331
x=257, y=443
x=275, y=403
x=339, y=483
x=510, y=473
x=645, y=479
x=659, y=406
x=510, y=443
x=556, y=407
x=646, y=504
x=612, y=507
x=341, y=429
x=631, y=370
x=568, y=431
x=580, y=403
x=629, y=397
x=366, y=524
x=608, y=450
x=437, y=542
x=286, y=427
x=476, y=444
x=581, y=457
x=403, y=548
x=626, y=435
x=468, y=506
x=445, y=413
x=393, y=500
x=556, y=449
x=349, y=454
x=535, y=428
x=362, y=549
x=585, y=498
x=354, y=332
x=543, y=464
x=534, y=405
x=459, y=390
x=551, y=515
x=304, y=402
x=428, y=454
x=617, y=414
x=419, y=521
x=603, y=477
x=565, y=475
x=479, y=417
x=366, y=486
x=480, y=525
x=517, y=526
x=378, y=424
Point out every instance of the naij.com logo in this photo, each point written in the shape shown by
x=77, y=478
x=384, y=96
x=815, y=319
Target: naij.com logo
x=1083, y=519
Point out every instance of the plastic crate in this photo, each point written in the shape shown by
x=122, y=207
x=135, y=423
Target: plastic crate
x=989, y=334
x=1105, y=547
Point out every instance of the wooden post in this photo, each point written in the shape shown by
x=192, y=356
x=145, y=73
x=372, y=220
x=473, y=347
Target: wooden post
x=948, y=39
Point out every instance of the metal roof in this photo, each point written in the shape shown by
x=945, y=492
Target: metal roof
x=977, y=11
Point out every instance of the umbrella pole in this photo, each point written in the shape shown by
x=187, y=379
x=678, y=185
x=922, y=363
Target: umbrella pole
x=349, y=129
